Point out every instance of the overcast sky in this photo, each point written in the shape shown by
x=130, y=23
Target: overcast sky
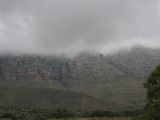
x=72, y=26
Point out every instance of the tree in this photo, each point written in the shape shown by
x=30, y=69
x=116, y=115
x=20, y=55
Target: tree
x=152, y=110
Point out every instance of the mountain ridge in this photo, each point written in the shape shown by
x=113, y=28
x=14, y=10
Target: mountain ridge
x=116, y=78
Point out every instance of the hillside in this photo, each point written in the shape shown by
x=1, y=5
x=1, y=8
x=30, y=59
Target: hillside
x=48, y=98
x=116, y=79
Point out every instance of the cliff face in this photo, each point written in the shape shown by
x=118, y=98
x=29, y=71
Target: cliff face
x=136, y=64
x=117, y=79
x=35, y=71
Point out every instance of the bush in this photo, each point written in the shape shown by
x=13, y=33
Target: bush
x=152, y=110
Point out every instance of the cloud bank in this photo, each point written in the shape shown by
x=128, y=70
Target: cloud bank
x=72, y=26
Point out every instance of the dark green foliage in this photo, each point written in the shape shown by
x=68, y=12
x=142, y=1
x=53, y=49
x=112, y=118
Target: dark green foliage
x=62, y=113
x=153, y=86
x=101, y=113
x=9, y=116
x=17, y=113
x=152, y=111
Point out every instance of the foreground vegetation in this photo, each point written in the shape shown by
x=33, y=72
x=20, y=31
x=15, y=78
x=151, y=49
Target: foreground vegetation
x=152, y=110
x=61, y=114
x=97, y=118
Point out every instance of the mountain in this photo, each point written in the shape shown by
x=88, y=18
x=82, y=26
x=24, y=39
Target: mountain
x=116, y=79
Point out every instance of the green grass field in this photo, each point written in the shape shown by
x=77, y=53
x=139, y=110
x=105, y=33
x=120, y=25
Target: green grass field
x=100, y=118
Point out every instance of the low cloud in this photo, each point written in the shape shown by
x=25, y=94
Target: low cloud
x=72, y=26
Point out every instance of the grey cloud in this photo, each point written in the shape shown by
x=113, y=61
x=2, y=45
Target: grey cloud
x=71, y=26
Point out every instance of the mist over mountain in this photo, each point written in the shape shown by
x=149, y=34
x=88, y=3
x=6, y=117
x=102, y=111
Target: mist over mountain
x=72, y=26
x=116, y=79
